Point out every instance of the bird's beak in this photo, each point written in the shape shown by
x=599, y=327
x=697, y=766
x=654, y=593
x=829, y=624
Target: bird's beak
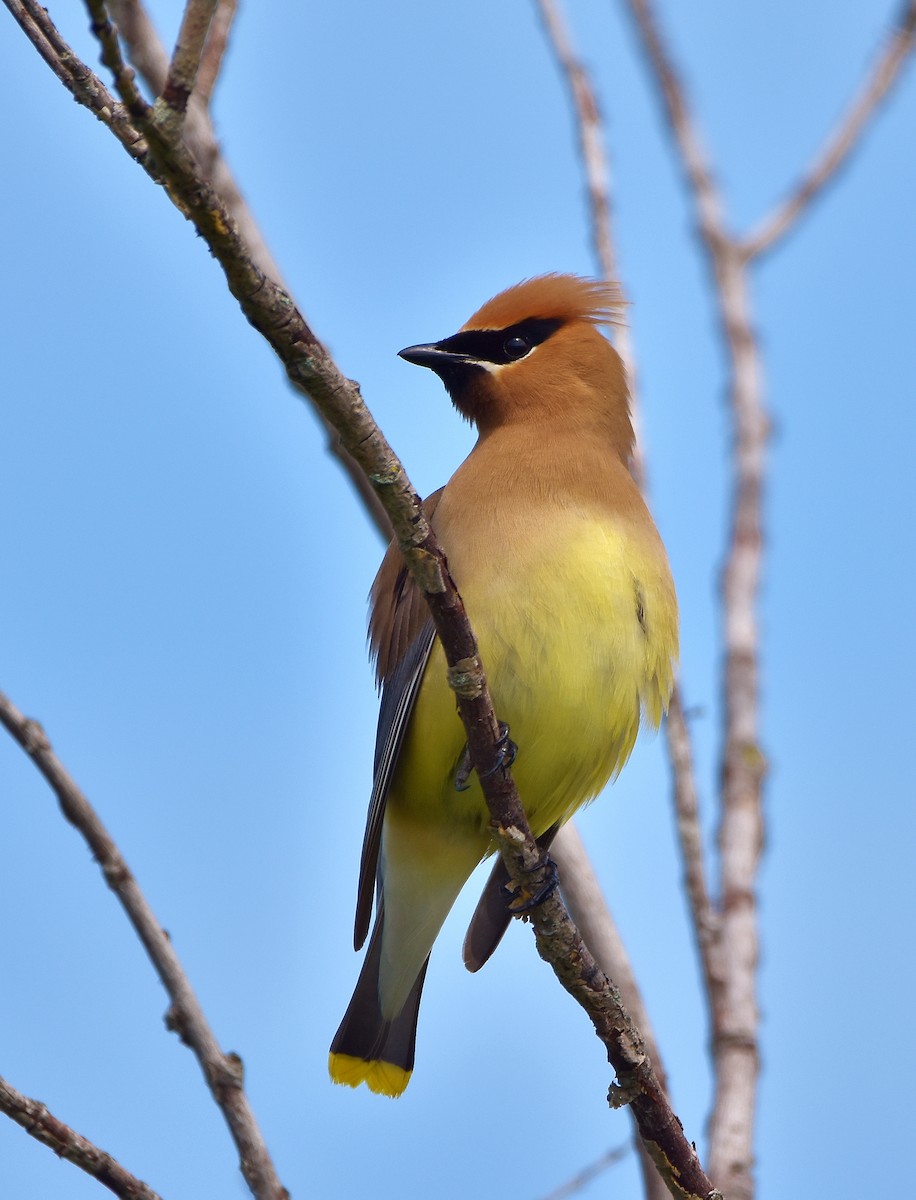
x=432, y=356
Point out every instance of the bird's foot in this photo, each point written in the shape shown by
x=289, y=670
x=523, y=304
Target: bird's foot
x=506, y=750
x=540, y=882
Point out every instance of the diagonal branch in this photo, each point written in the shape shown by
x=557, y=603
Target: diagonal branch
x=149, y=56
x=42, y=1125
x=86, y=87
x=223, y=1072
x=274, y=314
x=842, y=141
x=581, y=1181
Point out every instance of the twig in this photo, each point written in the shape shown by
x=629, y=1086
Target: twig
x=842, y=141
x=731, y=972
x=42, y=1125
x=273, y=312
x=149, y=56
x=705, y=917
x=86, y=87
x=215, y=50
x=590, y=131
x=587, y=1174
x=112, y=58
x=170, y=108
x=223, y=1072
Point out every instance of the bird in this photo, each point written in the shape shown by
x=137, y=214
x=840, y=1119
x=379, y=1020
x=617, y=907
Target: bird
x=568, y=589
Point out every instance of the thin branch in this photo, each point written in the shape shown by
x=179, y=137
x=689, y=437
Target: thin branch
x=172, y=104
x=842, y=141
x=273, y=312
x=587, y=1174
x=85, y=86
x=705, y=918
x=215, y=50
x=111, y=57
x=149, y=56
x=591, y=137
x=732, y=977
x=42, y=1125
x=223, y=1072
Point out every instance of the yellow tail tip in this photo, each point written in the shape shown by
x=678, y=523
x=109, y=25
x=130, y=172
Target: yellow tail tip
x=383, y=1078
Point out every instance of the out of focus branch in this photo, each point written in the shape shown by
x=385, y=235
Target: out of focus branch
x=730, y=961
x=223, y=1072
x=595, y=166
x=580, y=885
x=215, y=50
x=42, y=1125
x=587, y=1174
x=842, y=141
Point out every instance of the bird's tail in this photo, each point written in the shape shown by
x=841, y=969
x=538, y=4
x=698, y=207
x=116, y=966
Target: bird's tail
x=367, y=1048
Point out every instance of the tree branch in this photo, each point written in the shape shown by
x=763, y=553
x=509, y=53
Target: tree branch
x=272, y=311
x=596, y=168
x=42, y=1125
x=215, y=50
x=600, y=932
x=170, y=108
x=842, y=141
x=587, y=1174
x=85, y=86
x=148, y=55
x=223, y=1072
x=731, y=971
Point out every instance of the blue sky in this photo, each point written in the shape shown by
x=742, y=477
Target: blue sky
x=185, y=575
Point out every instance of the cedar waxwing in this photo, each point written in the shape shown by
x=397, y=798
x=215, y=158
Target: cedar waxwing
x=567, y=586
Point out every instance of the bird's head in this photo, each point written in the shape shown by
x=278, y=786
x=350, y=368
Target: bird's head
x=534, y=354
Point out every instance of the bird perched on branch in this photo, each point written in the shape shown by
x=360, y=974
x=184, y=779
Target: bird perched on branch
x=567, y=586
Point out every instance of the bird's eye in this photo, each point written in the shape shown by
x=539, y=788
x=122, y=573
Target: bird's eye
x=516, y=347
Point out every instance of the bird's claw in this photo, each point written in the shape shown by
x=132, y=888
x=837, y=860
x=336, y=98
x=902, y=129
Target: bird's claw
x=543, y=880
x=506, y=751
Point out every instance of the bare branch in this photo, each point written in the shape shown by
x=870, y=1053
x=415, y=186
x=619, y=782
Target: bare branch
x=587, y=1174
x=215, y=50
x=172, y=104
x=705, y=918
x=842, y=141
x=223, y=1072
x=86, y=87
x=42, y=1125
x=731, y=971
x=148, y=55
x=590, y=131
x=111, y=56
x=144, y=47
x=274, y=314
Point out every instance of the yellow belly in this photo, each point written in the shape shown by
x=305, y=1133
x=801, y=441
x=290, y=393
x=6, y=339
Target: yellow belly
x=577, y=640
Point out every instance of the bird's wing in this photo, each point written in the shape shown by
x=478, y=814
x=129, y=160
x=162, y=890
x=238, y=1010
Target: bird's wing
x=401, y=634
